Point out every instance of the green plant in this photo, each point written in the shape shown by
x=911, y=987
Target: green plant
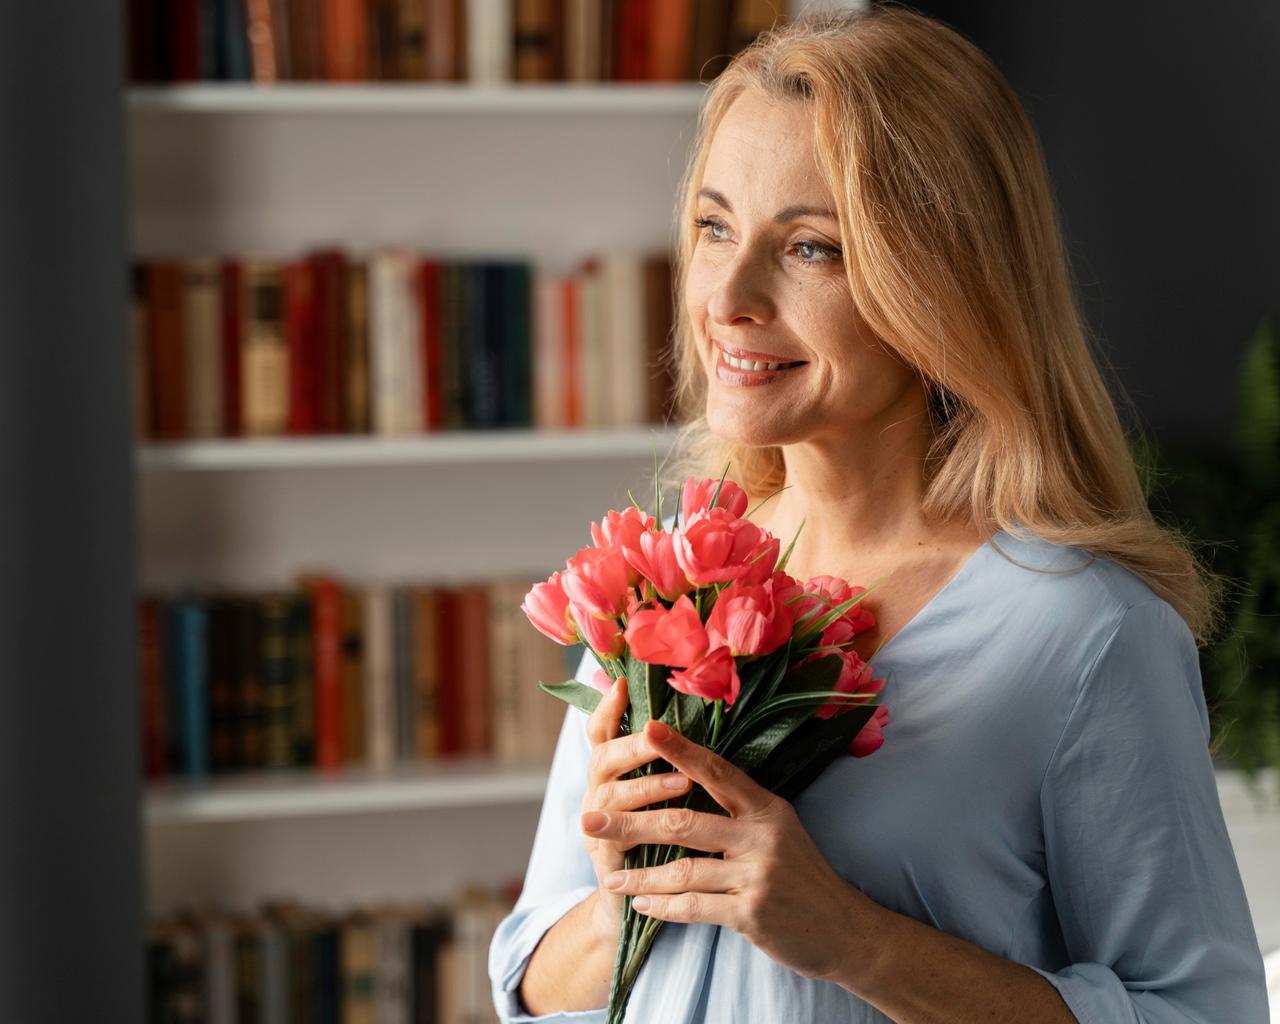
x=1226, y=502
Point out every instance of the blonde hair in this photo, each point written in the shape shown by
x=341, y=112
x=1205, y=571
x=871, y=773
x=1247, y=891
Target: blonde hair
x=956, y=262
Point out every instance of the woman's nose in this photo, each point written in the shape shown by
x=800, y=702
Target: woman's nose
x=741, y=289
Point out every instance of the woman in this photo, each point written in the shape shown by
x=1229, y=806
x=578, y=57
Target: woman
x=867, y=220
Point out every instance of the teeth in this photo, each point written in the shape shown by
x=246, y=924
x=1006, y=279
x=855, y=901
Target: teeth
x=748, y=364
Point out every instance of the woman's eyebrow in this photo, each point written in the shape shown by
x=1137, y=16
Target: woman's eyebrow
x=785, y=214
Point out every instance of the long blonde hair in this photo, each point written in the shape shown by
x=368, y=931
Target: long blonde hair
x=955, y=259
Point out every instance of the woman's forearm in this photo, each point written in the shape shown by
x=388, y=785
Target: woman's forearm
x=571, y=967
x=917, y=974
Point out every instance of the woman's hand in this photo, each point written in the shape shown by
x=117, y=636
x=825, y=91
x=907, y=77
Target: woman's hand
x=613, y=756
x=774, y=887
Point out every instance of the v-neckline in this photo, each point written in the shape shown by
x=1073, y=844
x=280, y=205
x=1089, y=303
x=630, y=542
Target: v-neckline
x=966, y=569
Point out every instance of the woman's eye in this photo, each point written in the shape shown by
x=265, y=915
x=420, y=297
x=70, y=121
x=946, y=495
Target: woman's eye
x=811, y=252
x=708, y=222
x=822, y=253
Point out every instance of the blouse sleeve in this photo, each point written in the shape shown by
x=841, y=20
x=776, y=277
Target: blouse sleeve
x=1144, y=880
x=559, y=875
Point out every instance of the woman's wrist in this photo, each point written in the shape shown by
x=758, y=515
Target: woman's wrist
x=605, y=922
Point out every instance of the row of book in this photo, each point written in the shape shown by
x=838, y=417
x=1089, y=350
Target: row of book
x=479, y=41
x=325, y=675
x=419, y=962
x=396, y=342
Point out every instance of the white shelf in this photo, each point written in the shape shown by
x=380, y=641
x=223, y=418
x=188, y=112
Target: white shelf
x=470, y=446
x=411, y=97
x=300, y=793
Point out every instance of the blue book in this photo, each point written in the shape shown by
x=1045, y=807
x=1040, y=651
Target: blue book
x=191, y=638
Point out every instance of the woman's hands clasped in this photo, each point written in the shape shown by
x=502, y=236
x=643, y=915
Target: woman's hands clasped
x=774, y=887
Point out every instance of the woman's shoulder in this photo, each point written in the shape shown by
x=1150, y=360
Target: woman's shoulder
x=1068, y=586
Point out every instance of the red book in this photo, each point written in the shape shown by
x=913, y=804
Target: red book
x=184, y=40
x=476, y=692
x=453, y=655
x=301, y=339
x=231, y=285
x=345, y=41
x=632, y=41
x=154, y=757
x=571, y=363
x=327, y=668
x=166, y=364
x=330, y=270
x=429, y=299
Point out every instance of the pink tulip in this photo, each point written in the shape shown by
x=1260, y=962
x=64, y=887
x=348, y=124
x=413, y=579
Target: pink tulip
x=855, y=677
x=547, y=607
x=663, y=636
x=714, y=676
x=619, y=529
x=748, y=620
x=715, y=547
x=697, y=498
x=601, y=681
x=653, y=556
x=837, y=592
x=870, y=737
x=601, y=634
x=596, y=580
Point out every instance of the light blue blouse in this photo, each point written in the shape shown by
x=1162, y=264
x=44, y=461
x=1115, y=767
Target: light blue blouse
x=1044, y=791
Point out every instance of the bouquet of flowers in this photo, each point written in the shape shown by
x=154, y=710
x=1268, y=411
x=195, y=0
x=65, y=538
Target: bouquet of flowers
x=715, y=640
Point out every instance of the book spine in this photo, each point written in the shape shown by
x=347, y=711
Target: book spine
x=251, y=710
x=327, y=627
x=232, y=319
x=379, y=679
x=150, y=665
x=357, y=409
x=353, y=677
x=222, y=688
x=429, y=301
x=331, y=288
x=167, y=374
x=193, y=685
x=301, y=680
x=426, y=662
x=264, y=357
x=202, y=349
x=276, y=681
x=302, y=343
x=402, y=659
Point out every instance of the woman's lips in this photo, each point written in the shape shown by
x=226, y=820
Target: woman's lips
x=750, y=378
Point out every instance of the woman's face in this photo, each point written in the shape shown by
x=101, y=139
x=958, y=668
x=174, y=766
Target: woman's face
x=767, y=281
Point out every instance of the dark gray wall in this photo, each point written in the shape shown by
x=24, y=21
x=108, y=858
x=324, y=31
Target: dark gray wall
x=1161, y=128
x=70, y=878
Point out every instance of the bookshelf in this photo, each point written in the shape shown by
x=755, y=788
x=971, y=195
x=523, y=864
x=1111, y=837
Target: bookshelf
x=485, y=446
x=550, y=173
x=257, y=796
x=612, y=98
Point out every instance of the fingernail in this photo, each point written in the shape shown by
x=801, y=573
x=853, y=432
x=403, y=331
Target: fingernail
x=661, y=730
x=640, y=903
x=673, y=780
x=614, y=879
x=594, y=821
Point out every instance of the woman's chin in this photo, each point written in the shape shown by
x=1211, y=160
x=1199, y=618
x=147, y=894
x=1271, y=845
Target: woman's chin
x=733, y=430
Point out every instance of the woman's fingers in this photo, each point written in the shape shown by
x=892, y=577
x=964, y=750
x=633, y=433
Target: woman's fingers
x=628, y=794
x=686, y=874
x=605, y=721
x=616, y=757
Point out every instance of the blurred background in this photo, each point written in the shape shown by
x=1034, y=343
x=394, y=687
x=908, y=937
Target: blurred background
x=328, y=323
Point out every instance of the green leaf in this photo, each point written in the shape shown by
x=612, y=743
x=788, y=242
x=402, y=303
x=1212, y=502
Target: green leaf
x=760, y=744
x=796, y=763
x=687, y=715
x=573, y=692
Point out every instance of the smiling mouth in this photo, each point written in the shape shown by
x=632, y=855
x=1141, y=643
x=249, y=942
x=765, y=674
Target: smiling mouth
x=755, y=361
